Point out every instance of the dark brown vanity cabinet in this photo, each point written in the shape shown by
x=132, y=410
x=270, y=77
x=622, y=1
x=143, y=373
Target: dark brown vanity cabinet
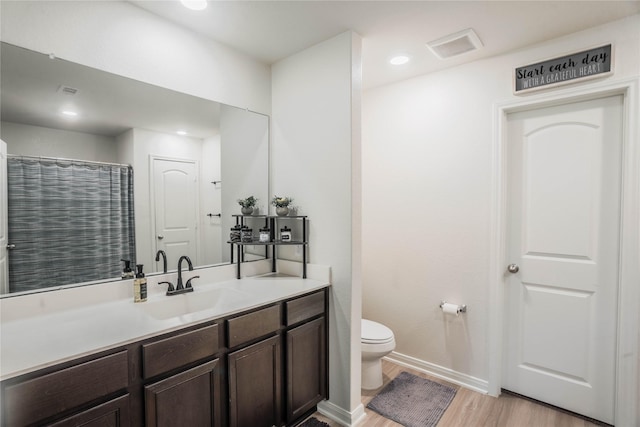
x=255, y=368
x=261, y=368
x=306, y=354
x=306, y=367
x=255, y=385
x=191, y=397
x=114, y=413
x=92, y=392
x=292, y=357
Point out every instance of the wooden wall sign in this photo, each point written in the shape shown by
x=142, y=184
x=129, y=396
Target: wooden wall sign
x=596, y=62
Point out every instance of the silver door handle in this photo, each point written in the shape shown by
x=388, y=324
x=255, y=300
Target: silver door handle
x=11, y=246
x=160, y=237
x=513, y=268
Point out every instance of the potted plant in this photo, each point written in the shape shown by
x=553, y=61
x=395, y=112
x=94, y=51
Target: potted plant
x=247, y=205
x=282, y=205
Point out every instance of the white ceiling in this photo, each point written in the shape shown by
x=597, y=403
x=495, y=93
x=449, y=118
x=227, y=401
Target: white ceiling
x=272, y=30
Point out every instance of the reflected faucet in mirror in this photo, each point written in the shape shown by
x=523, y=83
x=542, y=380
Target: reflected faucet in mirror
x=164, y=260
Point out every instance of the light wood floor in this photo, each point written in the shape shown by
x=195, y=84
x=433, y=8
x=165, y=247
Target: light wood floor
x=471, y=409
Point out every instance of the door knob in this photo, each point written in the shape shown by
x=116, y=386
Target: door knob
x=10, y=246
x=513, y=268
x=160, y=237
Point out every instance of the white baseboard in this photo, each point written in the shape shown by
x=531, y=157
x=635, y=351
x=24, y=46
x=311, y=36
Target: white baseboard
x=340, y=415
x=464, y=380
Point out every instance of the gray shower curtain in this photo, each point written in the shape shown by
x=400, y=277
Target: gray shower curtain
x=70, y=221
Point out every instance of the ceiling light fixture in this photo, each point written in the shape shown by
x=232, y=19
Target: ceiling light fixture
x=194, y=4
x=181, y=132
x=69, y=113
x=399, y=60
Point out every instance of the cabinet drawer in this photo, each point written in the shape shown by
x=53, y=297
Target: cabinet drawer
x=173, y=352
x=60, y=391
x=304, y=308
x=253, y=325
x=112, y=413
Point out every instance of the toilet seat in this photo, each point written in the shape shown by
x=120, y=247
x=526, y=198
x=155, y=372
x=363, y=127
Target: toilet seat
x=375, y=333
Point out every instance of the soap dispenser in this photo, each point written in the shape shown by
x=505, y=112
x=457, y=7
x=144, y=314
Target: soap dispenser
x=127, y=273
x=139, y=285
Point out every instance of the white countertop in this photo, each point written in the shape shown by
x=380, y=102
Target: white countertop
x=34, y=342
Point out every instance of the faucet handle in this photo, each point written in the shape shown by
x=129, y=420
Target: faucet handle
x=169, y=288
x=188, y=285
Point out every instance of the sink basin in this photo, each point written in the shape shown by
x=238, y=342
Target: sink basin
x=195, y=302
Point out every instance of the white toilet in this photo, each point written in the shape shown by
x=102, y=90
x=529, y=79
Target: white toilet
x=377, y=341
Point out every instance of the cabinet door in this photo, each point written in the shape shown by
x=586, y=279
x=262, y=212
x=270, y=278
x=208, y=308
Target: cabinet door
x=306, y=367
x=255, y=384
x=114, y=413
x=190, y=398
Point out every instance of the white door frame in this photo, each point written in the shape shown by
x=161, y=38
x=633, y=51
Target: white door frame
x=628, y=350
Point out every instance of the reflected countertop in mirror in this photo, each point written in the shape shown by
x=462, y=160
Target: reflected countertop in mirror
x=192, y=158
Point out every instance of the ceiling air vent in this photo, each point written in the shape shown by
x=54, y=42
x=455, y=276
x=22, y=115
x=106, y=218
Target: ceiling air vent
x=67, y=90
x=455, y=44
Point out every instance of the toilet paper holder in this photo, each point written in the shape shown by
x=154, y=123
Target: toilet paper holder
x=461, y=308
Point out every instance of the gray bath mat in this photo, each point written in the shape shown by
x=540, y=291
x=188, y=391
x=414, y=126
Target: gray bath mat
x=313, y=422
x=413, y=401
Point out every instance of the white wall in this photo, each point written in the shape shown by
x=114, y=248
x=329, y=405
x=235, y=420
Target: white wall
x=315, y=156
x=27, y=140
x=244, y=144
x=123, y=39
x=213, y=241
x=427, y=170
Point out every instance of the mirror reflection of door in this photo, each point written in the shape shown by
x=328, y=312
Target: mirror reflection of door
x=175, y=199
x=4, y=218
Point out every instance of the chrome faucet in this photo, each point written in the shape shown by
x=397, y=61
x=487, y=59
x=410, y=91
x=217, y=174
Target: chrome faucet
x=164, y=260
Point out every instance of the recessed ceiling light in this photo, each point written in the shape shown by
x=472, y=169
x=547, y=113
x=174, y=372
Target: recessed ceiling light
x=399, y=60
x=69, y=113
x=194, y=4
x=181, y=132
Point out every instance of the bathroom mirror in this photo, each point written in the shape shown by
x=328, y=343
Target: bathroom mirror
x=191, y=158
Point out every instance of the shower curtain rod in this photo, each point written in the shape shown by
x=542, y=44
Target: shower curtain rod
x=59, y=159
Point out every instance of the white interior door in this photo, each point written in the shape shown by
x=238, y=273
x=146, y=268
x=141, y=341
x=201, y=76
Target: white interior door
x=563, y=236
x=4, y=218
x=175, y=190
